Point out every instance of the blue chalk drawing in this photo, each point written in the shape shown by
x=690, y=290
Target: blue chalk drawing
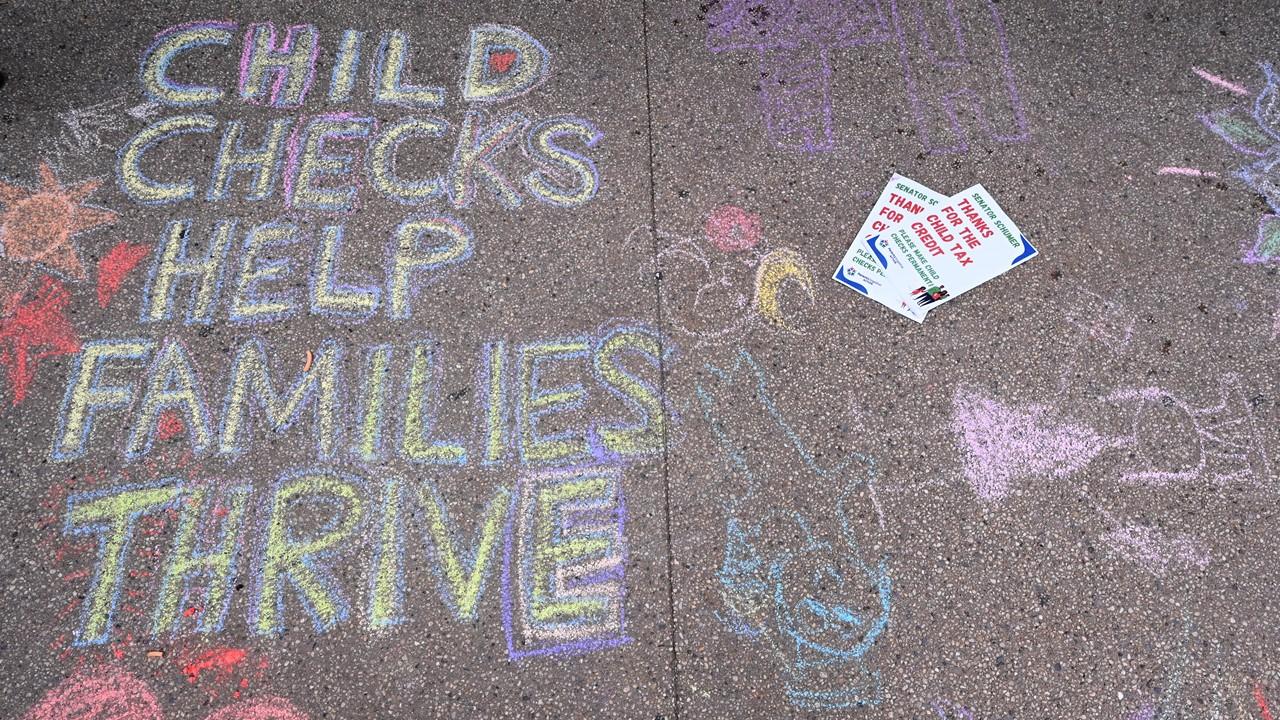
x=792, y=591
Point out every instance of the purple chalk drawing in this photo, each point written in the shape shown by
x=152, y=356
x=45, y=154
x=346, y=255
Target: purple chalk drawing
x=948, y=710
x=1266, y=249
x=1006, y=444
x=942, y=72
x=564, y=563
x=1157, y=551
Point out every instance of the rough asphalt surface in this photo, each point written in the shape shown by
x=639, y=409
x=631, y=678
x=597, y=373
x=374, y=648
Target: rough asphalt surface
x=568, y=419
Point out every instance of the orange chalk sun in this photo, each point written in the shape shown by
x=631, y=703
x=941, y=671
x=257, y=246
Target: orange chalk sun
x=37, y=225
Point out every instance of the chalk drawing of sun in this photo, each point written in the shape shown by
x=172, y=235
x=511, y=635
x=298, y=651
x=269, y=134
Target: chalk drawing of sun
x=37, y=225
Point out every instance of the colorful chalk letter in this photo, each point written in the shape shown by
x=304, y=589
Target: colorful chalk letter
x=565, y=587
x=110, y=515
x=288, y=560
x=410, y=261
x=171, y=386
x=259, y=264
x=474, y=155
x=86, y=396
x=280, y=74
x=462, y=576
x=251, y=386
x=263, y=161
x=389, y=70
x=422, y=395
x=172, y=264
x=140, y=187
x=644, y=437
x=214, y=566
x=302, y=181
x=503, y=62
x=556, y=163
x=535, y=402
x=382, y=161
x=329, y=296
x=167, y=45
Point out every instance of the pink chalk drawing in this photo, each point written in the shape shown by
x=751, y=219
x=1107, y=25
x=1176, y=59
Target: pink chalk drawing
x=109, y=692
x=1157, y=551
x=1006, y=447
x=1222, y=439
x=1005, y=444
x=732, y=280
x=103, y=693
x=732, y=229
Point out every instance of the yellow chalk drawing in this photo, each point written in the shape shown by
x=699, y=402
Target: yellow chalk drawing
x=111, y=517
x=172, y=264
x=645, y=437
x=390, y=68
x=263, y=161
x=382, y=161
x=421, y=397
x=775, y=269
x=137, y=184
x=250, y=386
x=171, y=385
x=410, y=261
x=462, y=586
x=215, y=565
x=246, y=304
x=535, y=402
x=299, y=562
x=85, y=397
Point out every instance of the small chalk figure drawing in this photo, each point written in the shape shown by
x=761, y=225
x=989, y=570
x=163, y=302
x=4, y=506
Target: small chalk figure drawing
x=783, y=584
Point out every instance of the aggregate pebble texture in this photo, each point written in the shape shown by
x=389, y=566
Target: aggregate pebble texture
x=1054, y=499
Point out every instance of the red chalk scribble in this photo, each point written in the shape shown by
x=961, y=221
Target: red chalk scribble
x=102, y=693
x=220, y=661
x=1261, y=699
x=266, y=708
x=36, y=330
x=500, y=62
x=732, y=229
x=1006, y=443
x=169, y=426
x=115, y=266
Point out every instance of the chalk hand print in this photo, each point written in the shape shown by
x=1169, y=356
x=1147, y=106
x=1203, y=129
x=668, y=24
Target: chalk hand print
x=1251, y=127
x=109, y=692
x=1007, y=448
x=809, y=596
x=729, y=282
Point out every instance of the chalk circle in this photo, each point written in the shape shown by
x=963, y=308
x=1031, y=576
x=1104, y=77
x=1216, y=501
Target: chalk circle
x=732, y=229
x=102, y=693
x=779, y=276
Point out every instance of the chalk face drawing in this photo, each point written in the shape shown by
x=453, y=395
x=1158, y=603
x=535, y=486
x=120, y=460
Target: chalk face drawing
x=947, y=66
x=807, y=595
x=1251, y=127
x=732, y=280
